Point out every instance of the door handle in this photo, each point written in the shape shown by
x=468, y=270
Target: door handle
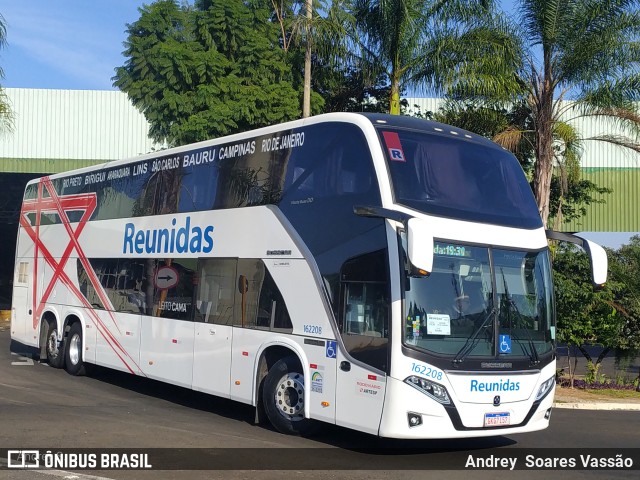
x=212, y=331
x=345, y=366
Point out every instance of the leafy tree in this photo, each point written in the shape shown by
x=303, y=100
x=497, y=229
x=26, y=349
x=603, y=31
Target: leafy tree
x=400, y=37
x=624, y=268
x=584, y=316
x=206, y=70
x=6, y=115
x=312, y=33
x=585, y=50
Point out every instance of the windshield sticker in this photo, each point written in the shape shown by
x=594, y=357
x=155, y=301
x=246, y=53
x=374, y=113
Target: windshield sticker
x=438, y=324
x=396, y=154
x=415, y=327
x=505, y=343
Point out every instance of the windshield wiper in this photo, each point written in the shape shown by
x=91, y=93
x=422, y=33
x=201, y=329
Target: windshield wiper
x=469, y=346
x=533, y=352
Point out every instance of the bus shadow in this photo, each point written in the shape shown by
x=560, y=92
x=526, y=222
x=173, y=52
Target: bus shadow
x=332, y=435
x=325, y=435
x=174, y=394
x=366, y=443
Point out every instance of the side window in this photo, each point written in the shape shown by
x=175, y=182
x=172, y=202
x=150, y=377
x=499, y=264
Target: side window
x=364, y=316
x=272, y=311
x=259, y=303
x=159, y=288
x=174, y=281
x=216, y=289
x=240, y=293
x=123, y=281
x=250, y=278
x=23, y=273
x=334, y=161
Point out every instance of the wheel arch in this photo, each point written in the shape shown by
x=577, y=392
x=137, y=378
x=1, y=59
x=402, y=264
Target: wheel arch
x=49, y=315
x=71, y=318
x=268, y=355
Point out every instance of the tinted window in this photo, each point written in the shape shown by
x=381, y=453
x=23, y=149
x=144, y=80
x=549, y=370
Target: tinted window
x=161, y=288
x=242, y=293
x=324, y=182
x=216, y=290
x=457, y=178
x=312, y=162
x=364, y=319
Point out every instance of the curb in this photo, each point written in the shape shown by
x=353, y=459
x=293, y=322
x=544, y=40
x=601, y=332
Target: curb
x=598, y=406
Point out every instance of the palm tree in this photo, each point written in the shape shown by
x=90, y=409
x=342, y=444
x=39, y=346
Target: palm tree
x=567, y=59
x=399, y=36
x=317, y=25
x=6, y=115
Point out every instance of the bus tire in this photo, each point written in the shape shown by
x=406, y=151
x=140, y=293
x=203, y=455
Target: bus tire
x=283, y=398
x=55, y=352
x=73, y=363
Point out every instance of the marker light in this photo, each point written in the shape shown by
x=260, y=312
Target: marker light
x=429, y=388
x=545, y=387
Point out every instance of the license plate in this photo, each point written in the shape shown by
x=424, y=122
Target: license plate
x=497, y=419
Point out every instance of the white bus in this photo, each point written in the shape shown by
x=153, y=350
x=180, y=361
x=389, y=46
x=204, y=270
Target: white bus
x=382, y=273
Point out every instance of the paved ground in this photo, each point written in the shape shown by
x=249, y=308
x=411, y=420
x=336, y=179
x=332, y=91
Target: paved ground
x=565, y=397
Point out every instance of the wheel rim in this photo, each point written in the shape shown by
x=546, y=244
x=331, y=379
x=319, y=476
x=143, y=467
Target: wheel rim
x=52, y=344
x=289, y=396
x=74, y=349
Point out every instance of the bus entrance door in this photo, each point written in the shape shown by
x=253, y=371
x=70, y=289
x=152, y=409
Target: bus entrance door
x=359, y=396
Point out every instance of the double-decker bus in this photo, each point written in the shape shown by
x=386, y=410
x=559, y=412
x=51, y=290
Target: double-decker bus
x=383, y=273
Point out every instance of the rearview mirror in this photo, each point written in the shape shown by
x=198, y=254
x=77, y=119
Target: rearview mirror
x=597, y=255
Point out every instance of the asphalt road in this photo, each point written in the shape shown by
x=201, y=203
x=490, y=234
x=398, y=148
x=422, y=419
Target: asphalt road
x=43, y=408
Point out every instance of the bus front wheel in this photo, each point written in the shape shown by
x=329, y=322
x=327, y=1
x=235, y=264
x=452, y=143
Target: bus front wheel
x=73, y=351
x=54, y=349
x=283, y=397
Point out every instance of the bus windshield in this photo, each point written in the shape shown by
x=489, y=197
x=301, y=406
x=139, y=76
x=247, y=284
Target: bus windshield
x=482, y=302
x=458, y=178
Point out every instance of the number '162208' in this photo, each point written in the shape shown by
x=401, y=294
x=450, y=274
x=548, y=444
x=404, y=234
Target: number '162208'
x=426, y=371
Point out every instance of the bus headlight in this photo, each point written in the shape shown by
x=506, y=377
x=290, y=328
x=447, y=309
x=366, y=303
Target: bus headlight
x=545, y=387
x=429, y=388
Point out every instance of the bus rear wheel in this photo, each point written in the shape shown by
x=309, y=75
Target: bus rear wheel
x=283, y=398
x=54, y=349
x=73, y=352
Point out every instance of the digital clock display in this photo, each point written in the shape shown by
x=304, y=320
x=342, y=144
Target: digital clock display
x=450, y=250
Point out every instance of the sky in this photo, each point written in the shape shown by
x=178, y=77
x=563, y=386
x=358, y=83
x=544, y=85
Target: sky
x=68, y=44
x=64, y=44
x=77, y=44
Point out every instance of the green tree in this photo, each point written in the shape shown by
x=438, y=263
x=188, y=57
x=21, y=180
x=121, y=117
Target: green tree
x=583, y=50
x=625, y=268
x=206, y=70
x=584, y=316
x=314, y=35
x=400, y=37
x=6, y=114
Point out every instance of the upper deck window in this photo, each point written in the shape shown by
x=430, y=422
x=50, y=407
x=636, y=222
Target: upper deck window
x=458, y=178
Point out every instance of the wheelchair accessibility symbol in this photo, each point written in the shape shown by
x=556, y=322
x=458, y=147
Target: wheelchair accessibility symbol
x=331, y=349
x=505, y=344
